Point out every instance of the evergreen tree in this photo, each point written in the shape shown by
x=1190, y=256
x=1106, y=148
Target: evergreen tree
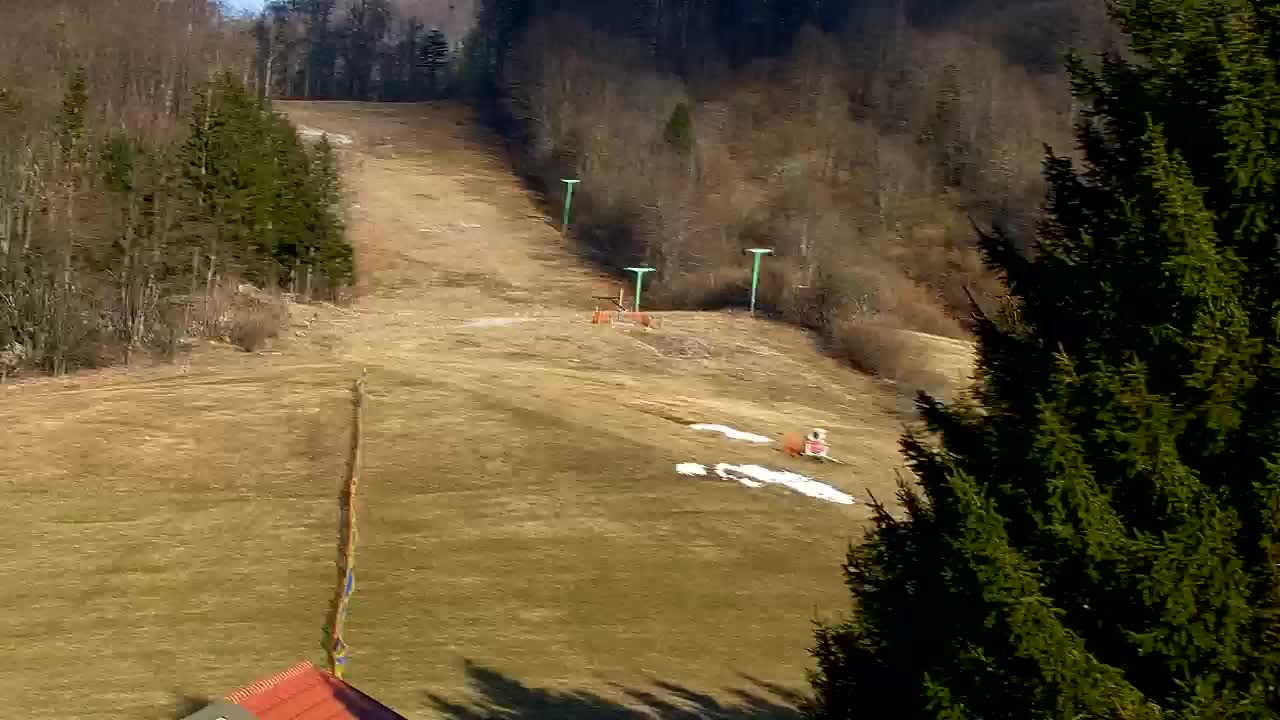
x=1096, y=533
x=679, y=130
x=366, y=24
x=75, y=107
x=321, y=50
x=435, y=61
x=334, y=254
x=410, y=48
x=265, y=201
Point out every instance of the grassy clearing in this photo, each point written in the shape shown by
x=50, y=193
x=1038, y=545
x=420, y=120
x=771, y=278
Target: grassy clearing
x=555, y=562
x=160, y=534
x=524, y=539
x=184, y=541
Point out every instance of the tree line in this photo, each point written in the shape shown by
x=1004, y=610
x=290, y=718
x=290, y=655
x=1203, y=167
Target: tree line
x=1095, y=533
x=860, y=140
x=139, y=175
x=356, y=50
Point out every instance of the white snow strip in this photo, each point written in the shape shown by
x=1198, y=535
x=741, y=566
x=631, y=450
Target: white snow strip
x=310, y=133
x=448, y=227
x=794, y=481
x=495, y=322
x=731, y=433
x=754, y=476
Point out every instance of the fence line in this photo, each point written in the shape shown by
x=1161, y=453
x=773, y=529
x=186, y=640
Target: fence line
x=336, y=646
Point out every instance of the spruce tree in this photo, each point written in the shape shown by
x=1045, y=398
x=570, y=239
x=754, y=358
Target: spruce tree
x=72, y=121
x=679, y=130
x=268, y=202
x=1095, y=533
x=435, y=61
x=334, y=253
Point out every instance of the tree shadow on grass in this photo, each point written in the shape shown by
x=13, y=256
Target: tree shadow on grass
x=496, y=696
x=185, y=704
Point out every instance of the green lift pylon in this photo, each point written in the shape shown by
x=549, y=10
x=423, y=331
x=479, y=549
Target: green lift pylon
x=755, y=273
x=568, y=203
x=639, y=271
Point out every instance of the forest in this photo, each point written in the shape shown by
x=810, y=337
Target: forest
x=379, y=50
x=1100, y=517
x=861, y=140
x=142, y=179
x=143, y=174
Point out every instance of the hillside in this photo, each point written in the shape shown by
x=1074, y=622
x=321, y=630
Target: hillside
x=526, y=541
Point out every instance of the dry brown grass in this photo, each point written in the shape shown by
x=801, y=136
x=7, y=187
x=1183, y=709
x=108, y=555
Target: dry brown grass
x=252, y=321
x=519, y=506
x=912, y=307
x=887, y=351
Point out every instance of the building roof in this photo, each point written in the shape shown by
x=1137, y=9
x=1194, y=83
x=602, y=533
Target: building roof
x=303, y=692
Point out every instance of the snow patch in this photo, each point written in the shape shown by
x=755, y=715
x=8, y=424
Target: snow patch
x=495, y=322
x=755, y=476
x=732, y=433
x=448, y=227
x=314, y=135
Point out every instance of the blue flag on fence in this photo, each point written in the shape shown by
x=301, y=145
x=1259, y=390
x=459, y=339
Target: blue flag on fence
x=339, y=646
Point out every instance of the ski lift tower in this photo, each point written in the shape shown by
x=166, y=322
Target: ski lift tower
x=755, y=273
x=639, y=271
x=568, y=203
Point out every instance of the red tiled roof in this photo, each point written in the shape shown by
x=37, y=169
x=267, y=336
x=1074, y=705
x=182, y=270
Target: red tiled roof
x=305, y=692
